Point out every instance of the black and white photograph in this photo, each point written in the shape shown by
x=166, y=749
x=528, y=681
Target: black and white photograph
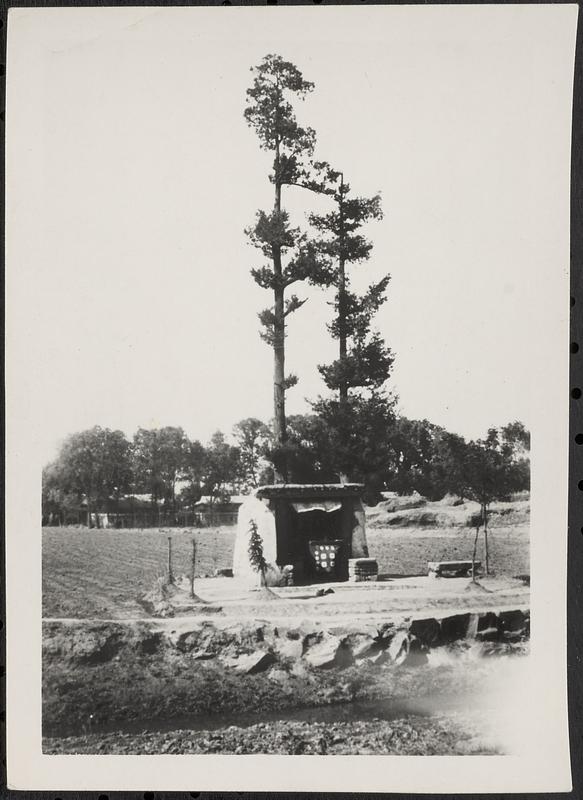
x=287, y=324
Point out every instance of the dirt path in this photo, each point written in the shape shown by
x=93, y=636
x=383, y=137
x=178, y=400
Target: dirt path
x=230, y=600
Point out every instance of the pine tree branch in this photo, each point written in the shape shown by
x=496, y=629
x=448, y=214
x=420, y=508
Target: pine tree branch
x=293, y=304
x=290, y=381
x=265, y=277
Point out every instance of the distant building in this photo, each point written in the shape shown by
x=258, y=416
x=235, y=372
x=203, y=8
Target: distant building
x=208, y=503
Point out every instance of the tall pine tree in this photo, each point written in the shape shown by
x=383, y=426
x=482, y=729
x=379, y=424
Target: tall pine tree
x=360, y=413
x=364, y=361
x=271, y=114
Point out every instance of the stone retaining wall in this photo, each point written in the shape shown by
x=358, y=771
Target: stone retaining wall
x=252, y=647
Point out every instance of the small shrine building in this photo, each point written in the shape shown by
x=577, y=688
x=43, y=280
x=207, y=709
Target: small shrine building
x=308, y=530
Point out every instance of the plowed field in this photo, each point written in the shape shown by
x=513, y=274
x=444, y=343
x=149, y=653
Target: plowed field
x=100, y=574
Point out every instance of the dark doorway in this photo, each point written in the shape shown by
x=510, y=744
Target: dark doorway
x=320, y=547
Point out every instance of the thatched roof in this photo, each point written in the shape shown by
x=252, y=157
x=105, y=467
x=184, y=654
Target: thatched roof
x=293, y=491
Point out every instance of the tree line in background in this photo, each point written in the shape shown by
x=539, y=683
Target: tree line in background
x=385, y=451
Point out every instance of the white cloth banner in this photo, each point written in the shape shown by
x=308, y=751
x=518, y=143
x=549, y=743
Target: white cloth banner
x=317, y=505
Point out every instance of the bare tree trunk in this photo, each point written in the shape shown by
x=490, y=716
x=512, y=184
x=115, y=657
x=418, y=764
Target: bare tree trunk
x=96, y=512
x=192, y=568
x=343, y=348
x=342, y=338
x=279, y=428
x=485, y=517
x=170, y=573
x=474, y=556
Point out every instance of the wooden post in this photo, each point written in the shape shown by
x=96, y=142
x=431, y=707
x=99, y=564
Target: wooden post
x=192, y=568
x=170, y=574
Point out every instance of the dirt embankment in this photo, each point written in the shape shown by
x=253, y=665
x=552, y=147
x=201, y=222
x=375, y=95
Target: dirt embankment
x=99, y=675
x=414, y=511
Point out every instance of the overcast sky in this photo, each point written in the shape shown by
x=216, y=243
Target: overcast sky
x=132, y=175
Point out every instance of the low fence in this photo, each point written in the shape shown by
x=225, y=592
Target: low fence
x=163, y=519
x=146, y=519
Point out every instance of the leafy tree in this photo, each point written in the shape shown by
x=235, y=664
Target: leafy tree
x=51, y=497
x=94, y=464
x=270, y=113
x=174, y=449
x=491, y=474
x=433, y=461
x=413, y=445
x=427, y=459
x=448, y=475
x=56, y=502
x=307, y=450
x=160, y=457
x=364, y=359
x=252, y=437
x=359, y=438
x=146, y=465
x=516, y=438
x=221, y=467
x=195, y=463
x=516, y=435
x=341, y=438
